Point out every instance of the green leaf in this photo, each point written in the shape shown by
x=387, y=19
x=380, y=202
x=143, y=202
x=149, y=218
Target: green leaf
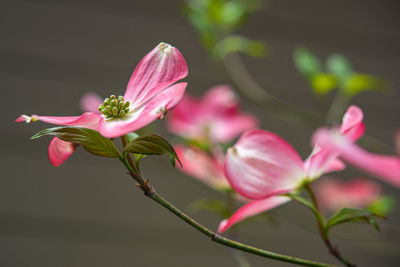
x=359, y=82
x=131, y=136
x=307, y=63
x=339, y=66
x=323, y=83
x=346, y=215
x=91, y=140
x=236, y=43
x=138, y=158
x=215, y=206
x=383, y=205
x=152, y=145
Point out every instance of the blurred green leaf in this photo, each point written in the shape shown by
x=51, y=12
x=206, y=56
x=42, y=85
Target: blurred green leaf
x=359, y=82
x=323, y=83
x=383, y=205
x=152, y=145
x=233, y=14
x=340, y=67
x=91, y=140
x=307, y=63
x=214, y=19
x=347, y=215
x=235, y=43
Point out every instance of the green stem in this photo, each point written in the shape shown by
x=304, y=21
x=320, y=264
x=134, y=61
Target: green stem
x=151, y=193
x=321, y=227
x=128, y=156
x=338, y=107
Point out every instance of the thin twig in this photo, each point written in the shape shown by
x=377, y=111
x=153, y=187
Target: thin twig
x=321, y=225
x=151, y=193
x=256, y=93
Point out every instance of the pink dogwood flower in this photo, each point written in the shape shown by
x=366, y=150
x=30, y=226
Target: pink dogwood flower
x=262, y=166
x=202, y=166
x=334, y=194
x=214, y=118
x=150, y=92
x=385, y=167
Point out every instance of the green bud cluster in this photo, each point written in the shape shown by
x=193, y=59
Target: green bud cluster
x=114, y=107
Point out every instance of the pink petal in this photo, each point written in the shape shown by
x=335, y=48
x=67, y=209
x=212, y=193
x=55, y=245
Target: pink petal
x=160, y=68
x=154, y=109
x=334, y=194
x=250, y=209
x=335, y=165
x=87, y=120
x=322, y=161
x=352, y=125
x=228, y=128
x=262, y=164
x=59, y=151
x=200, y=165
x=383, y=166
x=221, y=100
x=186, y=118
x=111, y=128
x=213, y=118
x=90, y=102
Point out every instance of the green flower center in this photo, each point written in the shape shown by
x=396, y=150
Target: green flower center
x=114, y=107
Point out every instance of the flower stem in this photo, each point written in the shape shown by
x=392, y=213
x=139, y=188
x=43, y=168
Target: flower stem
x=248, y=87
x=337, y=107
x=321, y=226
x=127, y=156
x=151, y=193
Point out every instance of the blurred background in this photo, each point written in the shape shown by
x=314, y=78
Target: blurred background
x=88, y=211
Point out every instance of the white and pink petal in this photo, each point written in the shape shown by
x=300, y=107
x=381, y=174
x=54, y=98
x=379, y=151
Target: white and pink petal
x=262, y=164
x=250, y=209
x=160, y=68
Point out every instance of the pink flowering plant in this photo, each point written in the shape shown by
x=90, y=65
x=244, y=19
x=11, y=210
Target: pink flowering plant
x=226, y=148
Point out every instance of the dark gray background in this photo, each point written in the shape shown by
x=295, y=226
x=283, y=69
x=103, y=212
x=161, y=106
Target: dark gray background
x=88, y=212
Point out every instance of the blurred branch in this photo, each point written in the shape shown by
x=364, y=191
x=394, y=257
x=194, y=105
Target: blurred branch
x=249, y=88
x=252, y=90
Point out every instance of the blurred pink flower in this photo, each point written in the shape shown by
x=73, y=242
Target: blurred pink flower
x=334, y=194
x=206, y=168
x=262, y=165
x=214, y=118
x=90, y=102
x=150, y=93
x=320, y=159
x=385, y=167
